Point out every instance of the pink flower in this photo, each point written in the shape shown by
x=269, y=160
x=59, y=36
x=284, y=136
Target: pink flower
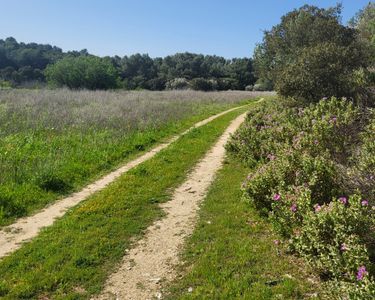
x=293, y=208
x=277, y=197
x=364, y=202
x=276, y=242
x=317, y=207
x=343, y=247
x=343, y=200
x=316, y=142
x=361, y=272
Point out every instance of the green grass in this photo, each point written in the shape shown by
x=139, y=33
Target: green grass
x=231, y=254
x=41, y=165
x=72, y=258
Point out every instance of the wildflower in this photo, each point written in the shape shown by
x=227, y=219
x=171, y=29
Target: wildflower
x=324, y=98
x=343, y=247
x=277, y=197
x=317, y=207
x=293, y=208
x=271, y=156
x=316, y=142
x=343, y=200
x=276, y=242
x=361, y=272
x=364, y=202
x=333, y=119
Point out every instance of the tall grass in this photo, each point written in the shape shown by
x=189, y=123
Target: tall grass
x=54, y=141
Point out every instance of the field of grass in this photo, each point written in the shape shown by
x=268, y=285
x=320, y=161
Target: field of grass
x=232, y=254
x=53, y=142
x=72, y=258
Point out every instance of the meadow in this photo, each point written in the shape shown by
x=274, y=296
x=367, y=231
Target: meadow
x=52, y=142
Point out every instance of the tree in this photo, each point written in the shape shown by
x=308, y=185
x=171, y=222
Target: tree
x=310, y=55
x=88, y=72
x=364, y=22
x=139, y=71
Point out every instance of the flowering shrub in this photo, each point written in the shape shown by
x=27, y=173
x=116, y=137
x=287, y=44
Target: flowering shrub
x=333, y=238
x=364, y=163
x=301, y=158
x=290, y=170
x=265, y=131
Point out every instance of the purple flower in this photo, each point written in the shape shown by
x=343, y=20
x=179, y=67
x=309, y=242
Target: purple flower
x=293, y=208
x=333, y=119
x=317, y=207
x=343, y=200
x=316, y=142
x=364, y=202
x=343, y=247
x=361, y=272
x=276, y=197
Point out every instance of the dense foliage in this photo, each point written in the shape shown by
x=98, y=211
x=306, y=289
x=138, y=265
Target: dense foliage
x=311, y=55
x=314, y=175
x=26, y=65
x=89, y=72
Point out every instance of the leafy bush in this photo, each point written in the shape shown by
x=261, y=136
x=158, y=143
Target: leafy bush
x=201, y=84
x=333, y=238
x=288, y=172
x=177, y=84
x=88, y=72
x=303, y=157
x=362, y=173
x=263, y=85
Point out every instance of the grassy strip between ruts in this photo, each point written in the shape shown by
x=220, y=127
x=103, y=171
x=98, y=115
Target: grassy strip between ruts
x=43, y=177
x=72, y=258
x=231, y=254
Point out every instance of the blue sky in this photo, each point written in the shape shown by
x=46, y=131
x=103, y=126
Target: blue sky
x=228, y=28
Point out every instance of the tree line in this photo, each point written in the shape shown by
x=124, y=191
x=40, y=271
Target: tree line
x=32, y=64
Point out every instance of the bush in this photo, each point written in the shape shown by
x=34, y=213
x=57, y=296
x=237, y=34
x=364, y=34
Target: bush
x=201, y=84
x=362, y=174
x=263, y=85
x=89, y=72
x=303, y=157
x=249, y=88
x=286, y=174
x=333, y=238
x=177, y=84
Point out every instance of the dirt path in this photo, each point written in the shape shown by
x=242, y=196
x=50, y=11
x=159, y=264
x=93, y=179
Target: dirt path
x=12, y=236
x=152, y=261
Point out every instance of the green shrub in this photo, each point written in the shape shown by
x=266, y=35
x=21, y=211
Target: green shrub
x=303, y=157
x=81, y=72
x=289, y=171
x=201, y=84
x=177, y=84
x=333, y=238
x=363, y=172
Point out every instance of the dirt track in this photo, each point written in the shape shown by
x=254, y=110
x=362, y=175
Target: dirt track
x=151, y=263
x=12, y=236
